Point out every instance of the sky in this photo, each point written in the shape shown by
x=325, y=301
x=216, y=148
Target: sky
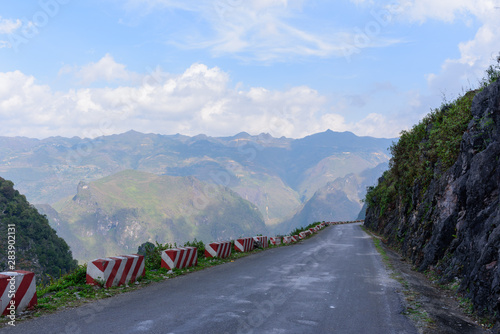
x=284, y=67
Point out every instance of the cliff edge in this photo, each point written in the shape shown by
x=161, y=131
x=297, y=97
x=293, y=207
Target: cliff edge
x=442, y=209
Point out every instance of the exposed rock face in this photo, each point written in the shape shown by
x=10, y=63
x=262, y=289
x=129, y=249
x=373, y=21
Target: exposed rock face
x=456, y=225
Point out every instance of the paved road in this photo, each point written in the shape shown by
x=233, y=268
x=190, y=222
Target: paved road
x=334, y=282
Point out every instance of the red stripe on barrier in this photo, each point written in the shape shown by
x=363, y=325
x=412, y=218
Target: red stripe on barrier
x=140, y=263
x=23, y=287
x=126, y=270
x=20, y=284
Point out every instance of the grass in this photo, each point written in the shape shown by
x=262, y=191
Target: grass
x=426, y=151
x=465, y=303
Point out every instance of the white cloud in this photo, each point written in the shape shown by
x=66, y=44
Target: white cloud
x=262, y=30
x=476, y=54
x=200, y=100
x=8, y=26
x=443, y=10
x=106, y=69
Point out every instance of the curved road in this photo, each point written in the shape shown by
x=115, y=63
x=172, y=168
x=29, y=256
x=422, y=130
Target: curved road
x=334, y=282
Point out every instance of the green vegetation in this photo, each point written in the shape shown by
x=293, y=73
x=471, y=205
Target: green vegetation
x=492, y=73
x=426, y=151
x=421, y=157
x=465, y=303
x=302, y=229
x=36, y=246
x=423, y=153
x=200, y=246
x=133, y=206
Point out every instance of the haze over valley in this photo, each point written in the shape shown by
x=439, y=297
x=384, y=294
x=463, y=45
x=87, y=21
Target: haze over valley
x=110, y=194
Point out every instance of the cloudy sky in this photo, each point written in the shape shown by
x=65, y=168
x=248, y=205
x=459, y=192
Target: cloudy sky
x=286, y=67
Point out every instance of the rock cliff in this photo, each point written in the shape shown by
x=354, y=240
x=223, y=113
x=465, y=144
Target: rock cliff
x=452, y=223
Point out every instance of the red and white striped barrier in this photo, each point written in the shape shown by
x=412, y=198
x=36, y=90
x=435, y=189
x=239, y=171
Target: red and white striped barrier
x=243, y=245
x=275, y=241
x=179, y=258
x=302, y=235
x=308, y=232
x=287, y=240
x=115, y=270
x=262, y=240
x=218, y=249
x=17, y=291
x=295, y=238
x=312, y=230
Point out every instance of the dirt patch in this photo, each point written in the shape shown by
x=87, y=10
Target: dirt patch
x=441, y=306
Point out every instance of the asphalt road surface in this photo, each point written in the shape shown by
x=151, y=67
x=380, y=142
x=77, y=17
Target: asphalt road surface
x=334, y=282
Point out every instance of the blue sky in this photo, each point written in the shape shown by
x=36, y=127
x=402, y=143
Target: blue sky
x=285, y=67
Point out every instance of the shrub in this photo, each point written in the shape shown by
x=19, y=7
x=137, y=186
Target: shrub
x=152, y=255
x=199, y=245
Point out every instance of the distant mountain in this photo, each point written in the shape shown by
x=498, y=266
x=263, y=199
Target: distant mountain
x=278, y=175
x=116, y=214
x=339, y=200
x=37, y=247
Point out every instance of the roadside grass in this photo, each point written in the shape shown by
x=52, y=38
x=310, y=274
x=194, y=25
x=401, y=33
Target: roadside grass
x=414, y=309
x=71, y=290
x=465, y=303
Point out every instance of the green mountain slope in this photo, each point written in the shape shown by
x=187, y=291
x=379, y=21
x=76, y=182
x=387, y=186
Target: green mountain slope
x=339, y=200
x=116, y=214
x=278, y=175
x=37, y=247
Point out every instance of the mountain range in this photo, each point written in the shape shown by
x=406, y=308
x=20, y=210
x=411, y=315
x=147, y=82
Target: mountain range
x=288, y=182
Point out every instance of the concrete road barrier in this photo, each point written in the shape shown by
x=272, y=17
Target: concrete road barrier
x=287, y=240
x=275, y=241
x=262, y=240
x=115, y=270
x=218, y=249
x=295, y=238
x=17, y=291
x=179, y=258
x=243, y=245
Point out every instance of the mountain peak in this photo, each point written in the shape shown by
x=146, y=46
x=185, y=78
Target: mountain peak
x=242, y=134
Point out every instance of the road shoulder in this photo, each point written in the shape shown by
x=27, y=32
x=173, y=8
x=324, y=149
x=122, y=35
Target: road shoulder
x=431, y=308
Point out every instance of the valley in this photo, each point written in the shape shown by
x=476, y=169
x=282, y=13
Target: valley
x=112, y=193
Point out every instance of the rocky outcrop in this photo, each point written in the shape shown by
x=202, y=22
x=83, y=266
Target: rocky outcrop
x=454, y=226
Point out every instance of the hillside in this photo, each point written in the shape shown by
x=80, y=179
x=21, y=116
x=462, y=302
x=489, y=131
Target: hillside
x=340, y=200
x=116, y=214
x=439, y=201
x=278, y=175
x=37, y=246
